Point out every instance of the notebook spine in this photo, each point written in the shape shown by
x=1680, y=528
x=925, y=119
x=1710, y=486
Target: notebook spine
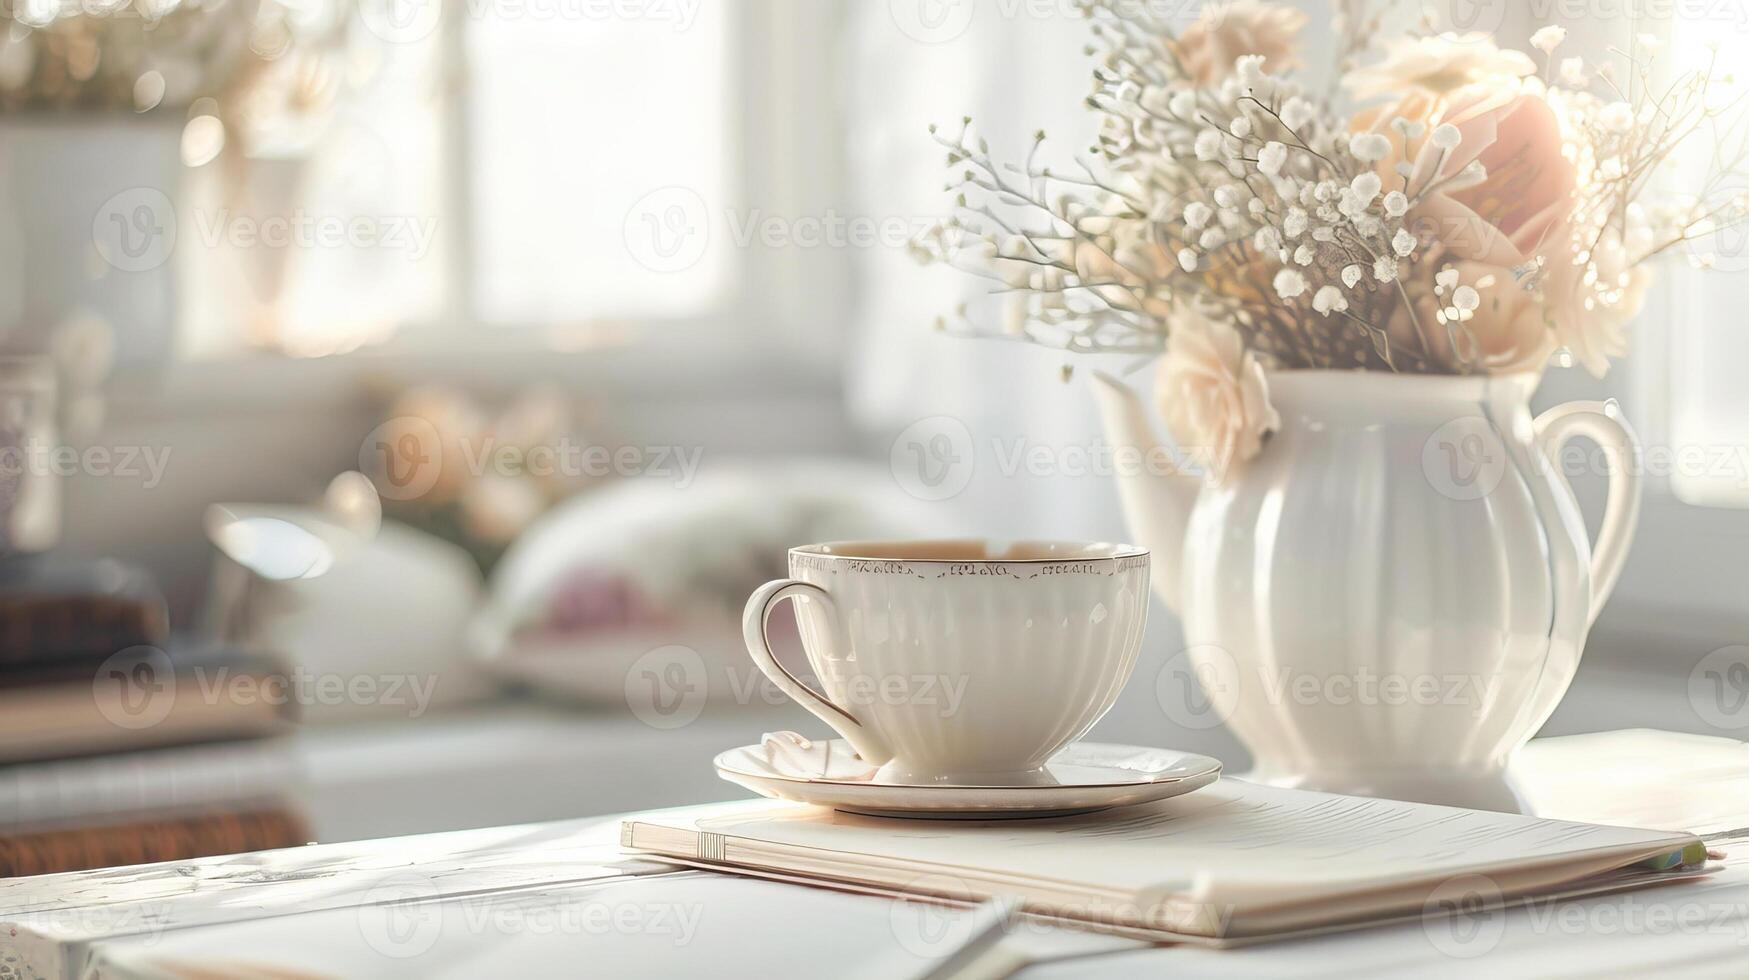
x=710, y=847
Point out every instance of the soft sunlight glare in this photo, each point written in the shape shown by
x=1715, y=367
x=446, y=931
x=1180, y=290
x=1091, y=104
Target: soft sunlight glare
x=589, y=130
x=1711, y=406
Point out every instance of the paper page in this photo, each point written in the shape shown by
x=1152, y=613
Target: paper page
x=1234, y=834
x=1697, y=929
x=694, y=924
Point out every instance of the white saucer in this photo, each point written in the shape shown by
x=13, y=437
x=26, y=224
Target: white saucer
x=1088, y=776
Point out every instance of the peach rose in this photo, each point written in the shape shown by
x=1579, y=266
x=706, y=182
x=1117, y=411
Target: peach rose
x=1212, y=393
x=1212, y=43
x=1503, y=217
x=426, y=442
x=1489, y=226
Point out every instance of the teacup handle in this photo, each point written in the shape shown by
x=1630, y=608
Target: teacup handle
x=755, y=624
x=1602, y=423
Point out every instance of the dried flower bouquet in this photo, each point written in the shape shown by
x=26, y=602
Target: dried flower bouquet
x=1450, y=209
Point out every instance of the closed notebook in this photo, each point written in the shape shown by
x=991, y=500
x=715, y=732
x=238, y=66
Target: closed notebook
x=1230, y=863
x=56, y=611
x=117, y=788
x=162, y=699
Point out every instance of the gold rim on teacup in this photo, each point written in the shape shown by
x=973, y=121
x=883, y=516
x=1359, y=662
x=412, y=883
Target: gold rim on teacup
x=1043, y=634
x=969, y=551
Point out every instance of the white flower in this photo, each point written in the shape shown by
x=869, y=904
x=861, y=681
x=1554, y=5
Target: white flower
x=1466, y=299
x=1266, y=240
x=1412, y=129
x=1183, y=103
x=1548, y=38
x=1573, y=71
x=1211, y=239
x=1444, y=279
x=1403, y=243
x=1289, y=283
x=1369, y=226
x=1271, y=158
x=1384, y=268
x=1472, y=174
x=1240, y=126
x=1447, y=137
x=1213, y=393
x=1396, y=203
x=1249, y=68
x=1303, y=255
x=1350, y=275
x=1208, y=144
x=1197, y=214
x=1294, y=225
x=1329, y=299
x=1227, y=195
x=1369, y=147
x=1297, y=112
x=1187, y=259
x=1591, y=302
x=1617, y=117
x=1366, y=187
x=1438, y=65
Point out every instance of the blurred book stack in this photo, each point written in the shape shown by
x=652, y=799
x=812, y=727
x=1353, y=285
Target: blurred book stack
x=118, y=746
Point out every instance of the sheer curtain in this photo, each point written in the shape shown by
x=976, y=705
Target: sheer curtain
x=1014, y=75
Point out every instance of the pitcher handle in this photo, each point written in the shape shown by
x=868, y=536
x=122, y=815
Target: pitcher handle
x=755, y=628
x=1602, y=423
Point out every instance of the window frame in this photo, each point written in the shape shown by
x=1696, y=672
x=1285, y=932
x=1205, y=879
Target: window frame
x=767, y=330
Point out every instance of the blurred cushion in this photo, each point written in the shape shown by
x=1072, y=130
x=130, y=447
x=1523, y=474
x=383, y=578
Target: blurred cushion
x=616, y=577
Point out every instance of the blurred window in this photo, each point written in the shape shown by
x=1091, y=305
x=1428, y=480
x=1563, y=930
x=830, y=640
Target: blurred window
x=1708, y=401
x=517, y=163
x=596, y=132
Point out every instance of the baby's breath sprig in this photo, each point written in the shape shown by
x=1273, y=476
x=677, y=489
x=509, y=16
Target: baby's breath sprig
x=1219, y=187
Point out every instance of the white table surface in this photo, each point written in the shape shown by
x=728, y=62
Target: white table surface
x=560, y=899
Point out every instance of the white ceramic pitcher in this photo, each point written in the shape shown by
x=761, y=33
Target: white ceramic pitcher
x=1393, y=596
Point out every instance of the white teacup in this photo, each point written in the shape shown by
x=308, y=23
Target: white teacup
x=959, y=662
